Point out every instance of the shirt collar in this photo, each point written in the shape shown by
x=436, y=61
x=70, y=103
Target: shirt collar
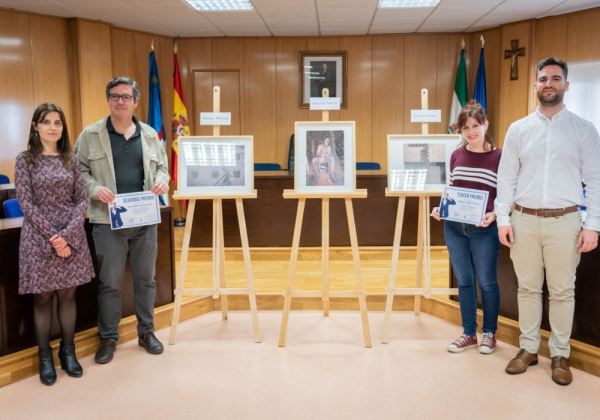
x=555, y=116
x=138, y=126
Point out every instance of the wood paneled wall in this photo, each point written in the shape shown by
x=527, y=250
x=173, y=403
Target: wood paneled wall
x=69, y=61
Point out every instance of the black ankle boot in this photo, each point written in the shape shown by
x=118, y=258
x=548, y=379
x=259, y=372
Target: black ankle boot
x=47, y=371
x=68, y=361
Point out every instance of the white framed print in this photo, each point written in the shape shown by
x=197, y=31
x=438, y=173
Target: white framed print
x=420, y=162
x=325, y=156
x=213, y=165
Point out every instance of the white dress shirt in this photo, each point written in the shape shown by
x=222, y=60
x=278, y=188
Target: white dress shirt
x=544, y=160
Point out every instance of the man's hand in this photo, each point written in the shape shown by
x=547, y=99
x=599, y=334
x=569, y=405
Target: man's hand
x=105, y=195
x=435, y=213
x=160, y=188
x=506, y=236
x=587, y=240
x=58, y=242
x=488, y=218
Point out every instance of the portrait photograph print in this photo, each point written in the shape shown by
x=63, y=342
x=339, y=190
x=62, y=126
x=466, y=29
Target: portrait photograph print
x=319, y=71
x=420, y=162
x=209, y=165
x=324, y=156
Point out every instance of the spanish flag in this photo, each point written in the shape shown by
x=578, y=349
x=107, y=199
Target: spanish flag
x=180, y=123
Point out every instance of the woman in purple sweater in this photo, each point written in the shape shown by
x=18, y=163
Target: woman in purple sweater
x=473, y=249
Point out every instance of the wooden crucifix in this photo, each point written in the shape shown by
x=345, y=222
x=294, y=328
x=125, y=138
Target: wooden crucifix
x=513, y=54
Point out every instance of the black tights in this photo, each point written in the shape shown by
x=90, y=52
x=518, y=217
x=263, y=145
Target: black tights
x=42, y=315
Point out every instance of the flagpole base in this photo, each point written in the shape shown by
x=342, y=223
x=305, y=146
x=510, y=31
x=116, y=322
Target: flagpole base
x=179, y=222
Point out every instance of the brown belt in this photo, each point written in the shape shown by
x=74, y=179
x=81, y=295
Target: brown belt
x=547, y=212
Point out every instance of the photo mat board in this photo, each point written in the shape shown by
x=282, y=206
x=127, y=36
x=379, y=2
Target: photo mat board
x=324, y=157
x=319, y=70
x=213, y=165
x=420, y=162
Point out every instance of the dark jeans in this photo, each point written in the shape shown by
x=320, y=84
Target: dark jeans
x=474, y=255
x=113, y=247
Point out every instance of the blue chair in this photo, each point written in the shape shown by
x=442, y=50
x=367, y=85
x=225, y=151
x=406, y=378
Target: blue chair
x=367, y=166
x=4, y=179
x=267, y=167
x=11, y=208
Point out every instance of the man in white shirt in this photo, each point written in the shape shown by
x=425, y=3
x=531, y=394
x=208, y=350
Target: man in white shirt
x=545, y=158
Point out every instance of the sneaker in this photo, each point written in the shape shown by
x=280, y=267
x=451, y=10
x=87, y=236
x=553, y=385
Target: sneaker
x=488, y=344
x=463, y=342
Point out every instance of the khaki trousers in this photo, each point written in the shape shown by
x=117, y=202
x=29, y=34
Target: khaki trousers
x=548, y=243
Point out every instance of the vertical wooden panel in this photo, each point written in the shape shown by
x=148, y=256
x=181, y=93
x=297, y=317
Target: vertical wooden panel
x=227, y=53
x=551, y=37
x=194, y=54
x=514, y=93
x=230, y=82
x=16, y=94
x=447, y=52
x=288, y=93
x=420, y=66
x=122, y=43
x=50, y=60
x=583, y=35
x=388, y=93
x=359, y=49
x=95, y=68
x=202, y=98
x=259, y=97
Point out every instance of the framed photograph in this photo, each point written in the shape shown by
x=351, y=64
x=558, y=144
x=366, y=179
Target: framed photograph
x=420, y=162
x=324, y=156
x=319, y=70
x=209, y=165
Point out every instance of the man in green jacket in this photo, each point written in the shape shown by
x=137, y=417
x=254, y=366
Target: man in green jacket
x=119, y=154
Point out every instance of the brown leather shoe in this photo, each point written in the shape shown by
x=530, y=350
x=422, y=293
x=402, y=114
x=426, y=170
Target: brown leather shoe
x=521, y=362
x=561, y=374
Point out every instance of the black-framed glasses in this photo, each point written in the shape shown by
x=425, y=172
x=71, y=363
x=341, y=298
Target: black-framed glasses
x=114, y=97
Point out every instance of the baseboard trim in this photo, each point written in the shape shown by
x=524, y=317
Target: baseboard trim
x=23, y=364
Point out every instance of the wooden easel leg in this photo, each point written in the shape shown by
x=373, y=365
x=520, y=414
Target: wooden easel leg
x=215, y=248
x=389, y=301
x=420, y=242
x=249, y=278
x=362, y=300
x=427, y=249
x=180, y=279
x=287, y=303
x=325, y=255
x=221, y=257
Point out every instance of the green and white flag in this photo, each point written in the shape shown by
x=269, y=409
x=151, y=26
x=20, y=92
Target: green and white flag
x=459, y=99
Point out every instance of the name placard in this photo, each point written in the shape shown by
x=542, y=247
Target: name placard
x=425, y=115
x=325, y=104
x=215, y=118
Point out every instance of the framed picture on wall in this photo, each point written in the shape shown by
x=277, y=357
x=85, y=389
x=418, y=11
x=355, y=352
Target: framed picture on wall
x=324, y=156
x=319, y=70
x=420, y=162
x=213, y=165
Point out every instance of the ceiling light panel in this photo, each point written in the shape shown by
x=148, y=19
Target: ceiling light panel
x=400, y=4
x=220, y=5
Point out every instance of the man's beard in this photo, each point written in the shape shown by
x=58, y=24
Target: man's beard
x=555, y=100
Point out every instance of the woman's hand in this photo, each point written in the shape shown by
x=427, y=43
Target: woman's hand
x=58, y=242
x=435, y=213
x=64, y=252
x=488, y=218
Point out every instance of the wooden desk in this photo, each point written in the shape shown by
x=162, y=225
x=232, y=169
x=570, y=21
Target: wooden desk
x=16, y=311
x=270, y=218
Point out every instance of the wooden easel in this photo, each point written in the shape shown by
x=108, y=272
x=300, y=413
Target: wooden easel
x=423, y=247
x=218, y=288
x=325, y=293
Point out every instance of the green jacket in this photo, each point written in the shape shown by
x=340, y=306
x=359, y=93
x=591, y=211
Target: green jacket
x=96, y=161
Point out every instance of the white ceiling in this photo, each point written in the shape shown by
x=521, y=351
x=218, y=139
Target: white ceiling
x=301, y=17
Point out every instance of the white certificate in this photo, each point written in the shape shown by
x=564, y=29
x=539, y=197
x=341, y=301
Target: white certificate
x=463, y=205
x=134, y=209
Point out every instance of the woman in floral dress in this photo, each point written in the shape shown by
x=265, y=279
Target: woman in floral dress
x=54, y=257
